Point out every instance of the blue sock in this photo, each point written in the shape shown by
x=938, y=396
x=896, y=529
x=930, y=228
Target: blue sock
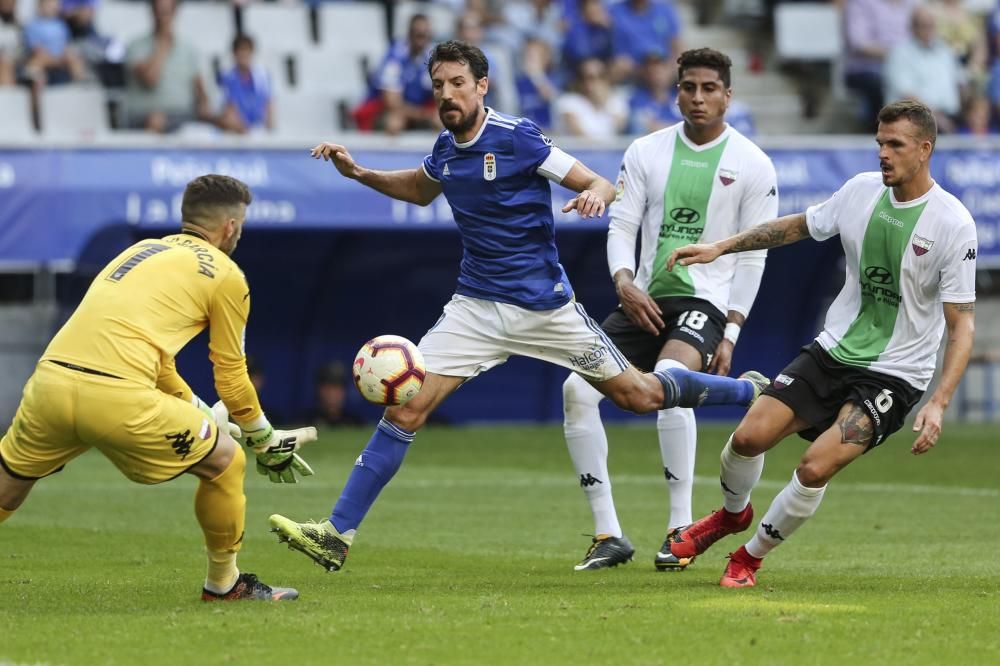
x=376, y=465
x=687, y=388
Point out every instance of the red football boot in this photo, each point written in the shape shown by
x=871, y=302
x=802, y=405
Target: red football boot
x=741, y=570
x=697, y=537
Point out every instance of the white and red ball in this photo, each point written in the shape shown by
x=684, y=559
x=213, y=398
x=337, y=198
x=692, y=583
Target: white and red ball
x=389, y=370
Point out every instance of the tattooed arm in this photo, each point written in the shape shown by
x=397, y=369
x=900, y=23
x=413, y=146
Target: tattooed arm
x=961, y=327
x=782, y=231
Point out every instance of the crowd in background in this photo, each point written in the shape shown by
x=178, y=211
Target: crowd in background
x=590, y=68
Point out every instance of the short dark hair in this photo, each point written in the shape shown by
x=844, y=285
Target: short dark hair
x=204, y=195
x=707, y=58
x=916, y=112
x=460, y=52
x=242, y=39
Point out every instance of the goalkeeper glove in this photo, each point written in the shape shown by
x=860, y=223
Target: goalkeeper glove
x=219, y=414
x=276, y=449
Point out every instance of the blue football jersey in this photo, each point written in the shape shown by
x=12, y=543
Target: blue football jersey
x=503, y=208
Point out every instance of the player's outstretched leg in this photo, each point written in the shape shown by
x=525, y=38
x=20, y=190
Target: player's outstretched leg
x=688, y=388
x=320, y=542
x=219, y=505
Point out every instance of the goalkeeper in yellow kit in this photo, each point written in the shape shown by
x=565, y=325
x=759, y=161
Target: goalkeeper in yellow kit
x=108, y=380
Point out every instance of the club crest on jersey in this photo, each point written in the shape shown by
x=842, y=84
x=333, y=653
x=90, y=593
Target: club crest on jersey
x=921, y=245
x=727, y=177
x=489, y=166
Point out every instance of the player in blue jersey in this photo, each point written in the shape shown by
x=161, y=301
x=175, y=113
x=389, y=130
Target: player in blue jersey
x=513, y=296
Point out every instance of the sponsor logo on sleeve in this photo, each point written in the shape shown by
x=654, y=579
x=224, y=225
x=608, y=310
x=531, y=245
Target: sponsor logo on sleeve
x=782, y=381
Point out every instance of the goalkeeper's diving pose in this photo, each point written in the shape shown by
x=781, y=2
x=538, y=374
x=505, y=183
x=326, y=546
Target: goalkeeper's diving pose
x=108, y=380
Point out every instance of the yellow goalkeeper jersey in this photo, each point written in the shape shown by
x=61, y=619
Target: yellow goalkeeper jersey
x=148, y=303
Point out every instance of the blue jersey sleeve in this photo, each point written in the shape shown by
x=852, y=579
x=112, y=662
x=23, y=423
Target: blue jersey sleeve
x=531, y=147
x=431, y=165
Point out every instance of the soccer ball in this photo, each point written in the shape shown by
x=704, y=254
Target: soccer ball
x=389, y=370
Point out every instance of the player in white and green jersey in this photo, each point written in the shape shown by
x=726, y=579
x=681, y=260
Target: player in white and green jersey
x=698, y=181
x=911, y=261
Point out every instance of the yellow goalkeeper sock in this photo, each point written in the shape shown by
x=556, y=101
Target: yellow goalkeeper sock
x=5, y=514
x=219, y=505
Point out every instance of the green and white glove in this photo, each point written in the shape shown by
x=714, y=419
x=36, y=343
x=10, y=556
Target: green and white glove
x=275, y=449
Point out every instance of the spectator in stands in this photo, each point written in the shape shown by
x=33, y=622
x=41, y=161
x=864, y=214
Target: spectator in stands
x=10, y=42
x=640, y=27
x=963, y=31
x=163, y=84
x=246, y=91
x=871, y=29
x=331, y=398
x=653, y=104
x=51, y=58
x=993, y=34
x=588, y=36
x=924, y=68
x=469, y=29
x=993, y=88
x=536, y=88
x=102, y=55
x=537, y=19
x=593, y=110
x=401, y=97
x=976, y=119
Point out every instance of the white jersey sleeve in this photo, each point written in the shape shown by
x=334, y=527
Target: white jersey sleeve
x=627, y=212
x=759, y=205
x=823, y=219
x=958, y=275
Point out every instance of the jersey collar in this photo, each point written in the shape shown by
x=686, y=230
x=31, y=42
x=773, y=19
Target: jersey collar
x=705, y=146
x=470, y=142
x=914, y=202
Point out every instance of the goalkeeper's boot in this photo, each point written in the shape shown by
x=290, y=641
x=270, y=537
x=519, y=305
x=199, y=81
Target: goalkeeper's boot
x=321, y=542
x=606, y=551
x=697, y=537
x=247, y=587
x=759, y=381
x=741, y=570
x=665, y=560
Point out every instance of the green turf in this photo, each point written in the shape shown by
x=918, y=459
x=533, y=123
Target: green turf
x=467, y=558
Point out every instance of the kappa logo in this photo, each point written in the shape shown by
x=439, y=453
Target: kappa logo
x=890, y=219
x=773, y=192
x=727, y=177
x=489, y=166
x=971, y=254
x=668, y=475
x=181, y=442
x=921, y=245
x=587, y=480
x=772, y=532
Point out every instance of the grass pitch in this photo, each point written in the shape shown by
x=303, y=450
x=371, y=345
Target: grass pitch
x=467, y=559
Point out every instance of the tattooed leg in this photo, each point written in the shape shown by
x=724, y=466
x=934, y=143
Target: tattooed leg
x=856, y=427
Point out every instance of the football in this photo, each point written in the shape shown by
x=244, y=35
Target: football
x=389, y=370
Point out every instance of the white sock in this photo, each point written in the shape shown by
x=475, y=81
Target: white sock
x=678, y=434
x=588, y=447
x=792, y=507
x=738, y=477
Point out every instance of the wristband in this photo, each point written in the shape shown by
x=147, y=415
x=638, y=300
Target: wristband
x=732, y=332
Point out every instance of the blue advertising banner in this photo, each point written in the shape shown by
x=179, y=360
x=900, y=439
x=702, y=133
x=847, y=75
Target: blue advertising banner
x=53, y=201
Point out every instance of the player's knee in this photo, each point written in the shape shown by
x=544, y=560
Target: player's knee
x=813, y=473
x=749, y=440
x=579, y=394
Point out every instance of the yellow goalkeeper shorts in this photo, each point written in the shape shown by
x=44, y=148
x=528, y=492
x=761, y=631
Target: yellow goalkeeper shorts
x=149, y=435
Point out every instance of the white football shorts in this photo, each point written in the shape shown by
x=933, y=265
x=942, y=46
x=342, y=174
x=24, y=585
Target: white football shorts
x=474, y=335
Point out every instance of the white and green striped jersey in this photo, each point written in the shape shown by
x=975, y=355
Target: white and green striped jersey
x=675, y=192
x=904, y=259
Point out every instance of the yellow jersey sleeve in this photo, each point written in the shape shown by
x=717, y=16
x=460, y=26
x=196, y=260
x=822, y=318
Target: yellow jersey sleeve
x=227, y=320
x=170, y=382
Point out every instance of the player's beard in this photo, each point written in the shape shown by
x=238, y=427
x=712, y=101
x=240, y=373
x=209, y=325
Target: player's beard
x=464, y=123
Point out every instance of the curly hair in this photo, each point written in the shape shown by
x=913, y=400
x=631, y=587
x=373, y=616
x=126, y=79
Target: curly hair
x=707, y=58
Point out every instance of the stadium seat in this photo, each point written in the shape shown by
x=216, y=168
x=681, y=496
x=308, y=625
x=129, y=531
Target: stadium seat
x=125, y=21
x=442, y=18
x=280, y=28
x=357, y=28
x=312, y=74
x=15, y=109
x=305, y=116
x=808, y=31
x=208, y=26
x=74, y=112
